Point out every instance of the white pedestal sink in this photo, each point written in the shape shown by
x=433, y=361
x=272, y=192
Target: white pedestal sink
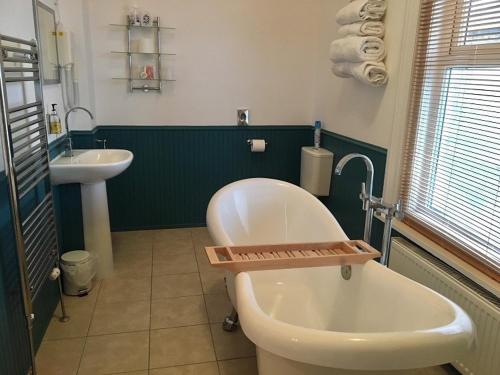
x=91, y=168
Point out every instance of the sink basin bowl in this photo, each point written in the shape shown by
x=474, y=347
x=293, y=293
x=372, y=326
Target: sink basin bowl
x=89, y=166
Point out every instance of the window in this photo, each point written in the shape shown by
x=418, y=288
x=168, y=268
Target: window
x=481, y=23
x=451, y=174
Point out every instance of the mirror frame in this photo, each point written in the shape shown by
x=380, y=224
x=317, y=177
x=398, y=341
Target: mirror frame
x=53, y=13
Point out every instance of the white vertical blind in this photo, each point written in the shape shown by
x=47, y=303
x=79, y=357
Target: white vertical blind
x=451, y=175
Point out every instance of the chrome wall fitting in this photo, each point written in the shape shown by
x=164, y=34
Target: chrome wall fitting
x=243, y=117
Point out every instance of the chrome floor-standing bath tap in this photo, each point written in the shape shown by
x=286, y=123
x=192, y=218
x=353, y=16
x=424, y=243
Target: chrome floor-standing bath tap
x=373, y=204
x=366, y=189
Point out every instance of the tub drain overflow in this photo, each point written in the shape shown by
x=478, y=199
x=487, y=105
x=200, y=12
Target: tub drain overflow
x=346, y=272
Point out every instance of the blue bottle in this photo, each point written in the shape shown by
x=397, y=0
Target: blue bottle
x=317, y=134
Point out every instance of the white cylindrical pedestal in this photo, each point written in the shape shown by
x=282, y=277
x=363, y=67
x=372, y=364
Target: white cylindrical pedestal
x=96, y=227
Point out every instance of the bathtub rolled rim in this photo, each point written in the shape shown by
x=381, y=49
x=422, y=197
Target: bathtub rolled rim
x=213, y=216
x=355, y=351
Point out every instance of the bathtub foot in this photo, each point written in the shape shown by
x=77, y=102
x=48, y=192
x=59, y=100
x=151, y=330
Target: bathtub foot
x=231, y=322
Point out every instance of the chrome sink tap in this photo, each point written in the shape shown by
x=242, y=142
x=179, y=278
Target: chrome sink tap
x=366, y=189
x=68, y=149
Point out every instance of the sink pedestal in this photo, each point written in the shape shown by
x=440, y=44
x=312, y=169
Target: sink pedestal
x=96, y=227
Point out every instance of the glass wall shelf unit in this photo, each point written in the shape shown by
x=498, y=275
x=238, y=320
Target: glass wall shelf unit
x=142, y=27
x=144, y=53
x=136, y=82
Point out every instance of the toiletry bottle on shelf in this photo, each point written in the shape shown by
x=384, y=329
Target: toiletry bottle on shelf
x=134, y=16
x=146, y=19
x=54, y=121
x=317, y=134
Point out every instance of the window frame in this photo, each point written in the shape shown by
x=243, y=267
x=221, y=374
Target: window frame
x=459, y=56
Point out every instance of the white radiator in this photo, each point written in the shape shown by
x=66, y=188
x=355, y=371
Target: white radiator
x=483, y=308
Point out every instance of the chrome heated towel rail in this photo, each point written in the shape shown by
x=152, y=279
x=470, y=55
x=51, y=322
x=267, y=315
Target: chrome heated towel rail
x=26, y=158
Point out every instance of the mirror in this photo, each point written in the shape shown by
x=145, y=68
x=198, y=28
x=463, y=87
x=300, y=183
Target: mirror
x=48, y=43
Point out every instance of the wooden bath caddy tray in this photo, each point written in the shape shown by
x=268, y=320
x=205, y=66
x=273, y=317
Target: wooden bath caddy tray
x=298, y=255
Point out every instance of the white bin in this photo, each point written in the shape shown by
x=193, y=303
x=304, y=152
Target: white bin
x=78, y=271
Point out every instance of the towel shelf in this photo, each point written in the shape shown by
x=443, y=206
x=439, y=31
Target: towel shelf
x=157, y=55
x=140, y=79
x=298, y=255
x=143, y=53
x=142, y=27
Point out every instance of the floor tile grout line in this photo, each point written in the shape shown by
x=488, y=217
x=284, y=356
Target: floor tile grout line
x=183, y=365
x=235, y=358
x=183, y=326
x=150, y=309
x=177, y=297
x=88, y=329
x=175, y=274
x=118, y=333
x=194, y=254
x=187, y=364
x=211, y=335
x=187, y=295
x=206, y=311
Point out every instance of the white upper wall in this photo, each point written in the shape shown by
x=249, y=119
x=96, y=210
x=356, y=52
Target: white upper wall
x=72, y=15
x=346, y=106
x=18, y=21
x=230, y=54
x=374, y=115
x=271, y=57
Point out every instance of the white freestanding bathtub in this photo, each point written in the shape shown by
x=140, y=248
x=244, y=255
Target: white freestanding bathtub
x=311, y=320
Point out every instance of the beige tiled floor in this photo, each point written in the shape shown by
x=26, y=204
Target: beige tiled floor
x=160, y=314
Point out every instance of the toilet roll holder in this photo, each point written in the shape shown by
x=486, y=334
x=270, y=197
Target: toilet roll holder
x=250, y=141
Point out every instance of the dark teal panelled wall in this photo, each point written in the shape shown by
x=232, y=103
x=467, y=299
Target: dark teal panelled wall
x=177, y=169
x=14, y=349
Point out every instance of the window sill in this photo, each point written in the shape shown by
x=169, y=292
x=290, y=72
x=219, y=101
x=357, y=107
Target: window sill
x=447, y=257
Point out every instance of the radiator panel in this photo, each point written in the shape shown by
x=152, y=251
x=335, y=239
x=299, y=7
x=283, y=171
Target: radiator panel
x=483, y=308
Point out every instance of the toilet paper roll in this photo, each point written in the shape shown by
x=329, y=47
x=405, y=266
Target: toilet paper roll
x=135, y=45
x=146, y=45
x=56, y=272
x=258, y=145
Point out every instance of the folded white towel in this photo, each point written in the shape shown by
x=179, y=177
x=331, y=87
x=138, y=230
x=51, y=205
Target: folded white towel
x=367, y=28
x=371, y=73
x=361, y=10
x=357, y=49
